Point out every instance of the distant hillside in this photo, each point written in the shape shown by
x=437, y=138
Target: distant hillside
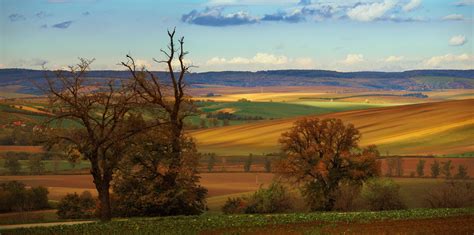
x=429, y=128
x=408, y=80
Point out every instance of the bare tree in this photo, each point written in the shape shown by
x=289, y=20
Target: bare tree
x=99, y=120
x=166, y=94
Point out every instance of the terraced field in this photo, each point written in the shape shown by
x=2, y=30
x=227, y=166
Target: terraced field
x=428, y=128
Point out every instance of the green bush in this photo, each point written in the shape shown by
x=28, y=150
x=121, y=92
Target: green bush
x=234, y=206
x=382, y=194
x=14, y=196
x=420, y=168
x=462, y=172
x=435, y=169
x=73, y=206
x=274, y=199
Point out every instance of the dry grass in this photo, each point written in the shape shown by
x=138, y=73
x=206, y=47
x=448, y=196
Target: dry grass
x=31, y=109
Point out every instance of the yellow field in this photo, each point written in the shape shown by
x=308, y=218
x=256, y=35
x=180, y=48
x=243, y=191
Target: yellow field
x=31, y=109
x=428, y=128
x=297, y=94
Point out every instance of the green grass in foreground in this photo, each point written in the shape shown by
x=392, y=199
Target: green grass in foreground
x=27, y=217
x=238, y=223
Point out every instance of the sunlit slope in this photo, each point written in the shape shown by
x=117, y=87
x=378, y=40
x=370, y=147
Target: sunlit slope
x=429, y=128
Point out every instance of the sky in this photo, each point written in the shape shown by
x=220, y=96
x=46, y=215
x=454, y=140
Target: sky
x=247, y=35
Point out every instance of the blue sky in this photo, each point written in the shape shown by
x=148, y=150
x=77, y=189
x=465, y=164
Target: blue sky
x=350, y=35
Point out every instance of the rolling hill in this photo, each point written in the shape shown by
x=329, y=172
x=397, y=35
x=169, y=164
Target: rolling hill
x=428, y=128
x=22, y=80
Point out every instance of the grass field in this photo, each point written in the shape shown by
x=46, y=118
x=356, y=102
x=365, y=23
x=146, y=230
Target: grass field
x=430, y=221
x=277, y=110
x=50, y=166
x=393, y=129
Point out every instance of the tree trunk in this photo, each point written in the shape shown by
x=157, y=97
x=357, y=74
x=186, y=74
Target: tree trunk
x=102, y=184
x=104, y=202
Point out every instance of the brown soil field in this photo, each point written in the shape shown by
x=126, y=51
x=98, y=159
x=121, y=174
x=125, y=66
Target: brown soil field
x=217, y=183
x=409, y=165
x=15, y=148
x=446, y=225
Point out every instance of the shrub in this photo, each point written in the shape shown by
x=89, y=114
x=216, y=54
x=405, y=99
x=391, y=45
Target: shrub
x=248, y=163
x=73, y=206
x=420, y=168
x=39, y=197
x=382, y=194
x=234, y=206
x=14, y=196
x=446, y=169
x=394, y=167
x=462, y=172
x=435, y=169
x=346, y=197
x=451, y=194
x=274, y=199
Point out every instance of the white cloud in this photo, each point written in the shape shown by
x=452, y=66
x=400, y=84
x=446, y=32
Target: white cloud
x=264, y=58
x=305, y=62
x=457, y=40
x=260, y=61
x=250, y=2
x=370, y=11
x=140, y=63
x=216, y=60
x=454, y=17
x=259, y=58
x=450, y=61
x=392, y=58
x=353, y=59
x=412, y=5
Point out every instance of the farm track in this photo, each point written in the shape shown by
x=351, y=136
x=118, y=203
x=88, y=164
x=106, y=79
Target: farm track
x=2, y=227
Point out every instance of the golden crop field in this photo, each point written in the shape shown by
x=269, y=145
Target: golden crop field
x=427, y=128
x=298, y=94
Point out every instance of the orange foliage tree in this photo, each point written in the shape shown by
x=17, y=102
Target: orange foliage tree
x=321, y=155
